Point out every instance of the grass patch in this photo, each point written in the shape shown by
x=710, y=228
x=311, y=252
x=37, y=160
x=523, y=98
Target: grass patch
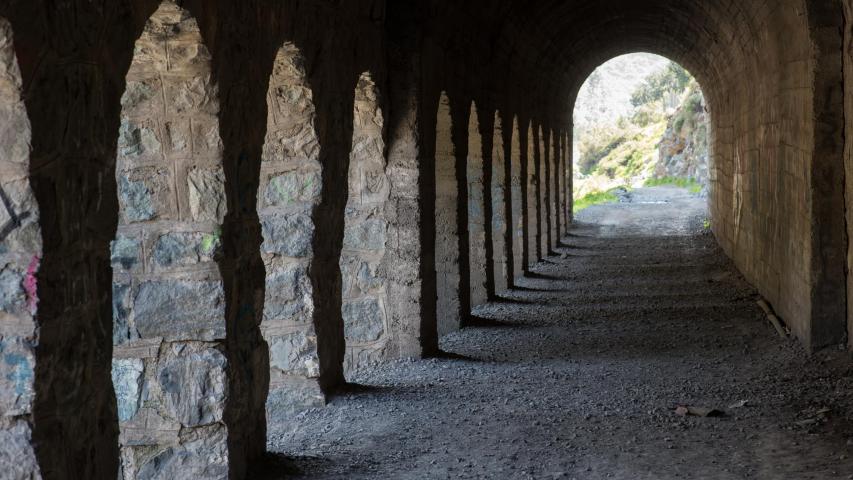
x=595, y=198
x=687, y=183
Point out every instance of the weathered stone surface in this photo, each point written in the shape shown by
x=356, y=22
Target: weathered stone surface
x=370, y=234
x=17, y=457
x=291, y=396
x=141, y=96
x=207, y=194
x=180, y=310
x=364, y=320
x=144, y=194
x=126, y=252
x=295, y=354
x=202, y=457
x=290, y=236
x=293, y=188
x=127, y=382
x=288, y=295
x=17, y=367
x=192, y=95
x=181, y=249
x=194, y=385
x=13, y=296
x=139, y=139
x=360, y=276
x=123, y=331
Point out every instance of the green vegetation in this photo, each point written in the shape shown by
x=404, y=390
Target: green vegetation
x=688, y=183
x=671, y=81
x=664, y=136
x=595, y=198
x=706, y=224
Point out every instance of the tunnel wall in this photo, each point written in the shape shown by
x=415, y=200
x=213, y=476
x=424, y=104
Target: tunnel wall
x=491, y=67
x=847, y=53
x=776, y=184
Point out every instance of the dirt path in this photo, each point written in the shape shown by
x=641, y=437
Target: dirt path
x=576, y=376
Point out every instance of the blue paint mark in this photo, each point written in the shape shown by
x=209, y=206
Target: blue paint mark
x=21, y=374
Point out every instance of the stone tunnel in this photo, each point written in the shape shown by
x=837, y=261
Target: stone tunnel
x=215, y=212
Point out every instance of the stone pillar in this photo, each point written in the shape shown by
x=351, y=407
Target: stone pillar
x=554, y=185
x=446, y=223
x=499, y=190
x=569, y=173
x=516, y=203
x=476, y=212
x=169, y=366
x=289, y=192
x=411, y=294
x=20, y=254
x=548, y=194
x=541, y=194
x=365, y=295
x=531, y=200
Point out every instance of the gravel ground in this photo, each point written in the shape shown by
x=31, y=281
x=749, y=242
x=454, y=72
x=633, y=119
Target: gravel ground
x=577, y=374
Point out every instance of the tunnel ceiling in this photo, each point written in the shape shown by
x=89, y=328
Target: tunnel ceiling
x=574, y=37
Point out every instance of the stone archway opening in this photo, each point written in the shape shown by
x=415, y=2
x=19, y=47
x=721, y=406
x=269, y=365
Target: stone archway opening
x=641, y=133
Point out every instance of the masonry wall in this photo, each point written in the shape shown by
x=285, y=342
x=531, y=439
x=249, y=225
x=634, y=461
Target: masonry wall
x=20, y=255
x=251, y=199
x=776, y=184
x=847, y=53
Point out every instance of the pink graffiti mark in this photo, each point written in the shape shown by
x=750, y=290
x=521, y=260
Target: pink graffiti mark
x=31, y=284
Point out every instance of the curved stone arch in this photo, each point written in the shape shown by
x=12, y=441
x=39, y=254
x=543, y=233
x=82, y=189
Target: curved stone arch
x=20, y=253
x=290, y=189
x=478, y=263
x=364, y=264
x=448, y=310
x=169, y=367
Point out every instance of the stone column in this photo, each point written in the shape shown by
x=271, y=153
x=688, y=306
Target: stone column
x=169, y=366
x=476, y=212
x=548, y=194
x=516, y=215
x=497, y=165
x=541, y=162
x=365, y=291
x=531, y=200
x=446, y=224
x=289, y=192
x=20, y=255
x=411, y=294
x=554, y=185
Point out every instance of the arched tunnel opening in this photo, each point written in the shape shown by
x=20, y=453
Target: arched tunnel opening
x=432, y=239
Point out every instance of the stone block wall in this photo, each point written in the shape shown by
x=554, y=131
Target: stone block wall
x=20, y=255
x=541, y=162
x=847, y=52
x=447, y=258
x=290, y=189
x=270, y=226
x=366, y=322
x=478, y=262
x=530, y=178
x=169, y=366
x=500, y=195
x=554, y=187
x=515, y=238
